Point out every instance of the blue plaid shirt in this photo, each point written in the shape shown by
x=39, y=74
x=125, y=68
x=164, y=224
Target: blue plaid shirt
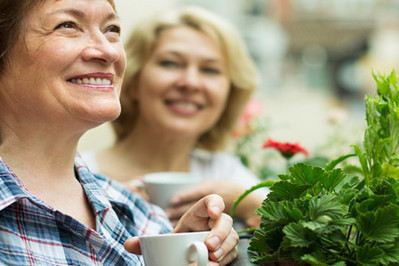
x=34, y=233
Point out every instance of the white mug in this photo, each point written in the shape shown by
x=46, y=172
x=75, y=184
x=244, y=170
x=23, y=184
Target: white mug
x=161, y=186
x=178, y=249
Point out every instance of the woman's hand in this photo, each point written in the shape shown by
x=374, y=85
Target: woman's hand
x=206, y=214
x=229, y=191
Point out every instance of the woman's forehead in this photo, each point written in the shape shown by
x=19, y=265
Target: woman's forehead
x=51, y=6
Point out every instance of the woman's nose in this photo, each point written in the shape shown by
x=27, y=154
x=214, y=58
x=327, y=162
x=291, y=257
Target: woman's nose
x=190, y=79
x=101, y=49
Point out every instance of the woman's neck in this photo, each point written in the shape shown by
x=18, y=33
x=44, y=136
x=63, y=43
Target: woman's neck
x=139, y=154
x=39, y=157
x=45, y=166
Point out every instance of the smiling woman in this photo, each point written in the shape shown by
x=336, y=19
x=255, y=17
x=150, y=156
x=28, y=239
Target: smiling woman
x=45, y=57
x=61, y=70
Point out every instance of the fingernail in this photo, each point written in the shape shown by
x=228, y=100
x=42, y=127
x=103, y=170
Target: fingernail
x=216, y=209
x=214, y=242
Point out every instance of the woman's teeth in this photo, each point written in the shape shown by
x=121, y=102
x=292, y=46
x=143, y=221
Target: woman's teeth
x=186, y=105
x=92, y=81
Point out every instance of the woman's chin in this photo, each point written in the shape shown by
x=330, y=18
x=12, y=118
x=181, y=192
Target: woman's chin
x=102, y=116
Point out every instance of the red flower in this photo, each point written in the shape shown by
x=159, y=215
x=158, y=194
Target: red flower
x=286, y=149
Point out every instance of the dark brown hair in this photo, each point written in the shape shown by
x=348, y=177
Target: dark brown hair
x=12, y=13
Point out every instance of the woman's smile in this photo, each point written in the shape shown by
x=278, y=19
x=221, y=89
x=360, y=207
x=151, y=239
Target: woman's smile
x=184, y=107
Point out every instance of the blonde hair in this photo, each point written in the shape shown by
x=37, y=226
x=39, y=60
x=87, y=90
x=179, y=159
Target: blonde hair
x=241, y=69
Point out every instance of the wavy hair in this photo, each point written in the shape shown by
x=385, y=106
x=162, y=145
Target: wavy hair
x=241, y=69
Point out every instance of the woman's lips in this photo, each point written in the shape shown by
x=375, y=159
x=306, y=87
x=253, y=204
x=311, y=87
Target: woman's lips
x=184, y=107
x=94, y=80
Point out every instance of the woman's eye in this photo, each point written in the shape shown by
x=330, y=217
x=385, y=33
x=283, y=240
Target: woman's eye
x=66, y=25
x=169, y=63
x=211, y=70
x=114, y=28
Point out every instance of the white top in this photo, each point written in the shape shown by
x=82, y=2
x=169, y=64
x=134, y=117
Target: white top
x=207, y=165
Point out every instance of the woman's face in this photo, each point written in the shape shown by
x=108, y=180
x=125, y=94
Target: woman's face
x=67, y=65
x=184, y=85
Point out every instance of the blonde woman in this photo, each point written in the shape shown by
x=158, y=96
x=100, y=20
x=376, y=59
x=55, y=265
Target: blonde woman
x=188, y=78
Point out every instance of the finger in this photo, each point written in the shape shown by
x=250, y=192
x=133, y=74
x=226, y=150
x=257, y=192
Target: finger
x=133, y=245
x=227, y=248
x=198, y=216
x=229, y=258
x=215, y=205
x=221, y=229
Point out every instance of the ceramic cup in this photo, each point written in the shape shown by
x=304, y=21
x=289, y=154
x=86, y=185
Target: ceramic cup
x=175, y=249
x=161, y=186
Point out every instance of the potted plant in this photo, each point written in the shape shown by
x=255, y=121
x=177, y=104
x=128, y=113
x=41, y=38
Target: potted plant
x=339, y=215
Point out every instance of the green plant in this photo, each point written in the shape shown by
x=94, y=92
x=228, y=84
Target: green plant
x=335, y=215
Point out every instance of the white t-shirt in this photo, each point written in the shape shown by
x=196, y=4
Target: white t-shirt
x=207, y=165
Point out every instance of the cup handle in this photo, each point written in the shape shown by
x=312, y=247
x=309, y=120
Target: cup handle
x=198, y=252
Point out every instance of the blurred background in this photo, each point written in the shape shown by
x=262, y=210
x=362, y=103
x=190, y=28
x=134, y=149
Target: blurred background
x=315, y=57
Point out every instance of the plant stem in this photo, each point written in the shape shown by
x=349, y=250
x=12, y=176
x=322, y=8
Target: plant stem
x=242, y=196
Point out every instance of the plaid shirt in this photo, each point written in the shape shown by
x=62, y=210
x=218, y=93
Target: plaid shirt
x=34, y=233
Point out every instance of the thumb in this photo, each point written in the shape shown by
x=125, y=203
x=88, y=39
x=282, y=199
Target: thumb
x=133, y=245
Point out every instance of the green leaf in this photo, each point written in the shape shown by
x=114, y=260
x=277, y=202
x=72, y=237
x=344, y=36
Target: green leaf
x=298, y=235
x=294, y=212
x=265, y=241
x=265, y=257
x=326, y=206
x=284, y=177
x=389, y=170
x=273, y=211
x=332, y=179
x=284, y=190
x=318, y=261
x=387, y=188
x=381, y=225
x=354, y=169
x=313, y=260
x=391, y=253
x=331, y=165
x=305, y=174
x=319, y=161
x=316, y=225
x=367, y=255
x=362, y=160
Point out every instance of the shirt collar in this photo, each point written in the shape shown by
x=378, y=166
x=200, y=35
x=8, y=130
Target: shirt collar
x=95, y=193
x=11, y=188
